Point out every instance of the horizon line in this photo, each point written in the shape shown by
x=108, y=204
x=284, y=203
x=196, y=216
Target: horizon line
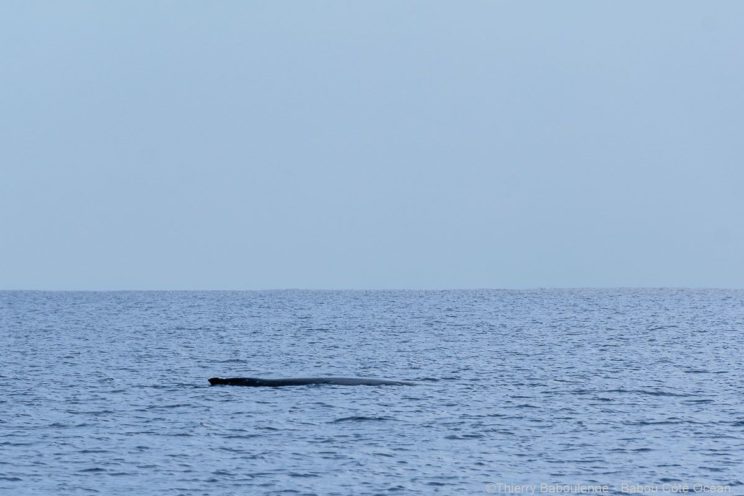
x=531, y=288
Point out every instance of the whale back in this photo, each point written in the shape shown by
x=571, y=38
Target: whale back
x=304, y=381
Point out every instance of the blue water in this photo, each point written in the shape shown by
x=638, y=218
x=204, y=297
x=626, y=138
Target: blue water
x=107, y=392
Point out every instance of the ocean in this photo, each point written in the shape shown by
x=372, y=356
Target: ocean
x=624, y=391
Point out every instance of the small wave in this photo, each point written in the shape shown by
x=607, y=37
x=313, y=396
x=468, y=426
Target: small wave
x=657, y=328
x=648, y=392
x=241, y=436
x=95, y=413
x=168, y=407
x=664, y=422
x=463, y=437
x=359, y=418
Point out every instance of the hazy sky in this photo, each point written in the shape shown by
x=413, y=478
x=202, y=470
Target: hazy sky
x=371, y=144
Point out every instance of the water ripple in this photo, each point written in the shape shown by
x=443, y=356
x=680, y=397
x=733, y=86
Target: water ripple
x=107, y=393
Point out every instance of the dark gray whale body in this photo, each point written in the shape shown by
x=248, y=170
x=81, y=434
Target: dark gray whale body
x=303, y=381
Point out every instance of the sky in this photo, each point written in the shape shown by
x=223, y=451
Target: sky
x=372, y=144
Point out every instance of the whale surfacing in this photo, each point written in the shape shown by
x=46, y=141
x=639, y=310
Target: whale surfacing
x=303, y=381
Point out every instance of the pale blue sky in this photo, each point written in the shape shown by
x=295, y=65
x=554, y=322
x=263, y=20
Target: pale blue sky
x=378, y=144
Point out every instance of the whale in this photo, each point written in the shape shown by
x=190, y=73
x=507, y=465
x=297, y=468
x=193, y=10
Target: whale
x=304, y=381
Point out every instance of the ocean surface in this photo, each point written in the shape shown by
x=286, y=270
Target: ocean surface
x=634, y=390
